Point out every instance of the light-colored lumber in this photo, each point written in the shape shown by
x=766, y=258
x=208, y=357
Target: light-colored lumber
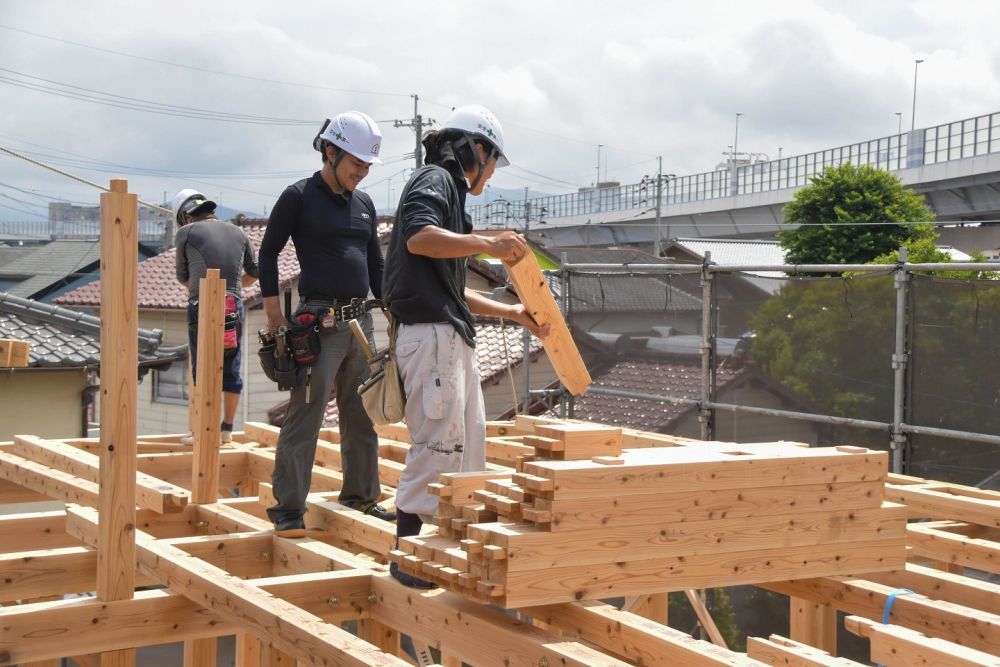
x=962, y=625
x=937, y=500
x=705, y=619
x=669, y=506
x=565, y=584
x=119, y=379
x=636, y=639
x=694, y=470
x=782, y=652
x=894, y=646
x=958, y=589
x=14, y=353
x=478, y=635
x=280, y=623
x=208, y=389
x=943, y=541
x=161, y=616
x=526, y=276
x=530, y=548
x=51, y=482
x=813, y=624
x=151, y=493
x=31, y=531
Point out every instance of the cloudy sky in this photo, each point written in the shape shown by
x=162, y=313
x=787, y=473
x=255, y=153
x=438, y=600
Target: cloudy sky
x=227, y=96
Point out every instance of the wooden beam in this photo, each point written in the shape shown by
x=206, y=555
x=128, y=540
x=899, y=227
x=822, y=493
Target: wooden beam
x=636, y=639
x=278, y=622
x=151, y=493
x=894, y=646
x=475, y=633
x=119, y=379
x=782, y=652
x=526, y=276
x=962, y=625
x=705, y=618
x=943, y=541
x=158, y=617
x=962, y=590
x=34, y=530
x=54, y=484
x=813, y=624
x=937, y=500
x=14, y=353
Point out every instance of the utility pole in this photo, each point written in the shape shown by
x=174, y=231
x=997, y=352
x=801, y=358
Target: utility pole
x=659, y=199
x=418, y=124
x=525, y=334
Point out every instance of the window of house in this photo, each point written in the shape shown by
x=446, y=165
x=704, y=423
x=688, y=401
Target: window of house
x=171, y=385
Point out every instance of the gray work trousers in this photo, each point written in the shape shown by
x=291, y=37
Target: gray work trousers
x=340, y=365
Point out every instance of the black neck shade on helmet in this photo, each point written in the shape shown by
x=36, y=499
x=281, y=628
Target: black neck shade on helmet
x=456, y=145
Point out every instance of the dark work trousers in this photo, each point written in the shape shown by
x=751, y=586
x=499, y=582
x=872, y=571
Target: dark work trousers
x=341, y=365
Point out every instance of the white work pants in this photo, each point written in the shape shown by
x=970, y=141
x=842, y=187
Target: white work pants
x=444, y=411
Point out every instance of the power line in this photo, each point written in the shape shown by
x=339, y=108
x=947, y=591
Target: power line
x=75, y=178
x=201, y=69
x=138, y=104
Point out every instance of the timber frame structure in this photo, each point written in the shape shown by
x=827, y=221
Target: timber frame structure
x=171, y=543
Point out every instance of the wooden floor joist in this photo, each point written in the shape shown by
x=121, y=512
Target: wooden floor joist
x=227, y=573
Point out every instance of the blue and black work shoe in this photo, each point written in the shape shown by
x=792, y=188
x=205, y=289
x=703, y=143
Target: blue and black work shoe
x=409, y=579
x=372, y=509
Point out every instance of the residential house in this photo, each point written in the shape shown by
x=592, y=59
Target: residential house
x=43, y=272
x=162, y=301
x=670, y=366
x=500, y=353
x=53, y=397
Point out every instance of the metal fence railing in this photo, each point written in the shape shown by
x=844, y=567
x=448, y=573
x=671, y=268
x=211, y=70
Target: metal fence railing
x=909, y=357
x=957, y=140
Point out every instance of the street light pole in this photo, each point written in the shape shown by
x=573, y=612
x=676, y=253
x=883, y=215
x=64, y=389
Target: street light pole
x=913, y=114
x=659, y=199
x=736, y=139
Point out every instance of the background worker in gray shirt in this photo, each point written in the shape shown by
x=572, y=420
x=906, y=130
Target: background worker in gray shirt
x=204, y=242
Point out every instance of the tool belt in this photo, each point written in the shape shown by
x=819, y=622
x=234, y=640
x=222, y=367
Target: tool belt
x=277, y=359
x=341, y=310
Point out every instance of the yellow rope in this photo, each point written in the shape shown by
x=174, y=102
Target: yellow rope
x=75, y=178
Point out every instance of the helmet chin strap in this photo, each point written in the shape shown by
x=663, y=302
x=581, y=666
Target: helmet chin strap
x=480, y=165
x=333, y=168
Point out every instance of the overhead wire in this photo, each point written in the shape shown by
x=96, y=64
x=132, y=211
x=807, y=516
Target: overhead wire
x=202, y=69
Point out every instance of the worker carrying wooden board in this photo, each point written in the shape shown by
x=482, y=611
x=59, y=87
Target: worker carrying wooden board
x=424, y=290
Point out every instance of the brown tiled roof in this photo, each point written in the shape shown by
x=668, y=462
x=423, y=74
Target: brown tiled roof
x=158, y=288
x=490, y=354
x=646, y=374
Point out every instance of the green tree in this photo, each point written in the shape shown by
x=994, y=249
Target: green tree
x=838, y=200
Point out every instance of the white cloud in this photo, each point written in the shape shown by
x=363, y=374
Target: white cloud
x=641, y=78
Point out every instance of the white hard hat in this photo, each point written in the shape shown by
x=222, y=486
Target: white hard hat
x=187, y=201
x=355, y=133
x=480, y=121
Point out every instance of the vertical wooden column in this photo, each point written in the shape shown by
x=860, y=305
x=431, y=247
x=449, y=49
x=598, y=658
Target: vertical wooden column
x=813, y=624
x=380, y=635
x=654, y=606
x=207, y=404
x=208, y=389
x=247, y=651
x=119, y=377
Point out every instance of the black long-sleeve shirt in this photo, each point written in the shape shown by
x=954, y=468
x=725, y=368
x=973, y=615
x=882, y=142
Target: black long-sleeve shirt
x=336, y=241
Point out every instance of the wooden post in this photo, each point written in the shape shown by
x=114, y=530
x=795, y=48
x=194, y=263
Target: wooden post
x=207, y=404
x=813, y=624
x=119, y=377
x=247, y=651
x=654, y=606
x=208, y=389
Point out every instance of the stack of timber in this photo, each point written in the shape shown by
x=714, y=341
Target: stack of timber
x=583, y=519
x=281, y=585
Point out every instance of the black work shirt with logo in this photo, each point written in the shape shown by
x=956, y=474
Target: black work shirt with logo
x=420, y=289
x=336, y=241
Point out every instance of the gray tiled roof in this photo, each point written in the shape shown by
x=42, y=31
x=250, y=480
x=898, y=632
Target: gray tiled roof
x=61, y=337
x=50, y=263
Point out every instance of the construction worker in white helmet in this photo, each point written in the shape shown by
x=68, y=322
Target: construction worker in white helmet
x=334, y=228
x=426, y=296
x=204, y=242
